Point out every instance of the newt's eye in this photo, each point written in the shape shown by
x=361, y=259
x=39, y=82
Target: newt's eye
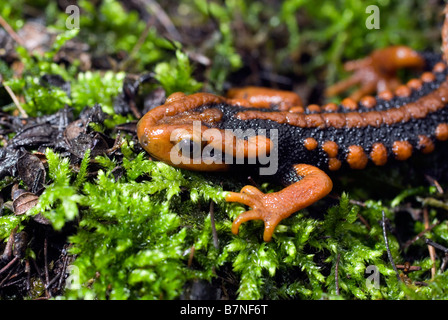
x=190, y=148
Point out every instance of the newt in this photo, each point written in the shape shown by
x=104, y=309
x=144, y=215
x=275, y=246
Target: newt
x=208, y=132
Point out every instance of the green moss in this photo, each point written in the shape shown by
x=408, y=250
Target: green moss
x=96, y=87
x=146, y=233
x=59, y=202
x=140, y=237
x=177, y=75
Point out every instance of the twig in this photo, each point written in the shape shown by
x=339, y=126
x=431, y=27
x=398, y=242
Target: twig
x=15, y=100
x=117, y=144
x=389, y=254
x=444, y=263
x=56, y=277
x=357, y=202
x=212, y=220
x=191, y=255
x=46, y=260
x=14, y=273
x=134, y=109
x=433, y=202
x=11, y=283
x=336, y=274
x=418, y=236
x=164, y=19
x=431, y=249
x=60, y=275
x=436, y=245
x=39, y=273
x=253, y=182
x=10, y=263
x=6, y=278
x=11, y=32
x=28, y=274
x=64, y=268
x=433, y=244
x=20, y=41
x=47, y=276
x=7, y=253
x=408, y=268
x=364, y=221
x=435, y=183
x=123, y=64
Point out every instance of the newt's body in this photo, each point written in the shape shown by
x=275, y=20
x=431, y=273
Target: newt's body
x=206, y=132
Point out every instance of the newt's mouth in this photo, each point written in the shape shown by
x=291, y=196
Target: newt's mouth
x=180, y=146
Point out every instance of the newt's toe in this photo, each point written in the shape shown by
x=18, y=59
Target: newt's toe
x=254, y=198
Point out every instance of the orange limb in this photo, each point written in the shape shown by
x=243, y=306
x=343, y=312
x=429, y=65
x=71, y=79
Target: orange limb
x=377, y=72
x=274, y=207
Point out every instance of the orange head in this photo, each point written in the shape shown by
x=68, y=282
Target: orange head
x=181, y=136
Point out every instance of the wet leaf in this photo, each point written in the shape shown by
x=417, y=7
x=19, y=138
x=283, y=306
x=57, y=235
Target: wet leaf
x=32, y=171
x=8, y=161
x=23, y=201
x=56, y=80
x=20, y=244
x=39, y=218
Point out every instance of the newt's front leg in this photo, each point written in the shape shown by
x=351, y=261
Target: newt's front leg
x=313, y=185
